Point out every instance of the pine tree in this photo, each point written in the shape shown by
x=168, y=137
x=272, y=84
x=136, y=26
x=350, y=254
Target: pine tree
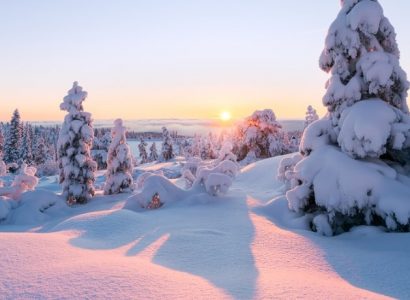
x=13, y=140
x=167, y=151
x=142, y=148
x=74, y=144
x=119, y=170
x=153, y=154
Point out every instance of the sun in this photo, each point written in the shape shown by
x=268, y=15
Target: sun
x=225, y=116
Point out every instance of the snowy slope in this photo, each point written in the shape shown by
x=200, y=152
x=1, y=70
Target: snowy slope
x=241, y=246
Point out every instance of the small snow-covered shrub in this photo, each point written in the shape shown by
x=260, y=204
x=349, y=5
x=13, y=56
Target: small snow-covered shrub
x=24, y=181
x=356, y=160
x=226, y=153
x=218, y=179
x=189, y=178
x=155, y=184
x=190, y=169
x=217, y=184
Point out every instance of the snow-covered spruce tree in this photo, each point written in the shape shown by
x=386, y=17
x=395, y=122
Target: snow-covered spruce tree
x=142, y=148
x=13, y=139
x=74, y=143
x=40, y=154
x=153, y=153
x=167, y=151
x=26, y=151
x=355, y=168
x=1, y=140
x=119, y=169
x=311, y=116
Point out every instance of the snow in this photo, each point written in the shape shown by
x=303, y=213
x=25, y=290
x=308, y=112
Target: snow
x=367, y=15
x=368, y=136
x=243, y=245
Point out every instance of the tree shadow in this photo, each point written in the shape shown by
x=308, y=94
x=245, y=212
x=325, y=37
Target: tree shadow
x=208, y=237
x=367, y=257
x=210, y=241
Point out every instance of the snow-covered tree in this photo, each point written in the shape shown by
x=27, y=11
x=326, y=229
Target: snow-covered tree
x=259, y=136
x=40, y=153
x=13, y=139
x=74, y=144
x=311, y=116
x=153, y=154
x=167, y=151
x=26, y=151
x=142, y=148
x=207, y=147
x=119, y=169
x=1, y=140
x=356, y=163
x=99, y=151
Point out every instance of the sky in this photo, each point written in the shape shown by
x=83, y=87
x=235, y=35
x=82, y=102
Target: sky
x=141, y=59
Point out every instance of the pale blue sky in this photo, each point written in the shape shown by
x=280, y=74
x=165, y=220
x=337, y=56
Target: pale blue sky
x=164, y=58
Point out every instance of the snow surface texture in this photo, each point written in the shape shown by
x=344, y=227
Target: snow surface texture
x=119, y=170
x=74, y=144
x=240, y=246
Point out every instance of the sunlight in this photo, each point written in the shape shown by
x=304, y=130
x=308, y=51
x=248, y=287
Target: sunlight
x=225, y=116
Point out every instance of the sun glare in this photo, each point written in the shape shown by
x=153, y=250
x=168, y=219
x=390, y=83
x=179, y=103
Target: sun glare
x=225, y=116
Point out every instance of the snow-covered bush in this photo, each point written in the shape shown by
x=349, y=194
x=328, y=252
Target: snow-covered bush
x=190, y=169
x=355, y=166
x=217, y=184
x=119, y=170
x=74, y=144
x=225, y=153
x=24, y=181
x=218, y=179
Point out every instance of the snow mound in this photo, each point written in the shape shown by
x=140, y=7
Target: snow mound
x=168, y=192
